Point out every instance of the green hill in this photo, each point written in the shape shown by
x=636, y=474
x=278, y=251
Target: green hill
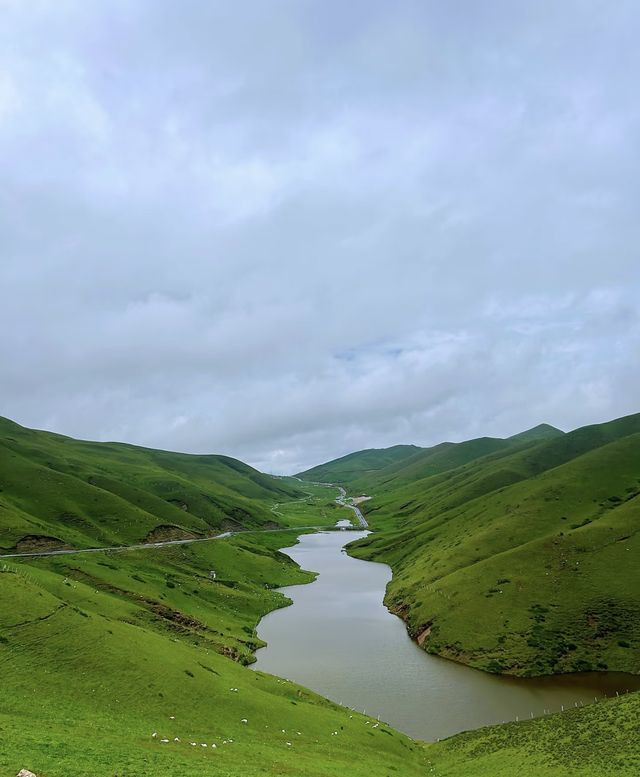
x=382, y=468
x=528, y=535
x=101, y=651
x=55, y=490
x=353, y=465
x=591, y=741
x=540, y=432
x=133, y=662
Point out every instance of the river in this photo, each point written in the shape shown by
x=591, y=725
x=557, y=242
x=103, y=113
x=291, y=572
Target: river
x=338, y=639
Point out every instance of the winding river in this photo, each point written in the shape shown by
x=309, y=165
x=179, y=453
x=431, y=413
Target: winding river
x=338, y=639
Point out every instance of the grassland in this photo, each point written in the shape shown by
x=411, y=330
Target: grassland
x=57, y=491
x=353, y=465
x=539, y=537
x=592, y=741
x=317, y=507
x=99, y=652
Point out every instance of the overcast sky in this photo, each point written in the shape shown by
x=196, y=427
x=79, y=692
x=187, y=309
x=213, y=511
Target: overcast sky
x=285, y=230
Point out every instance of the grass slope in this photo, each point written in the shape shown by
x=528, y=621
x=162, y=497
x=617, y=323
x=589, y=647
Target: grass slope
x=353, y=465
x=98, y=652
x=528, y=536
x=57, y=490
x=592, y=741
x=411, y=463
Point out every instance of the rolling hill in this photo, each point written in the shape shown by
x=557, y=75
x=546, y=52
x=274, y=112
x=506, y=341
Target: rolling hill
x=382, y=468
x=527, y=534
x=57, y=491
x=354, y=465
x=133, y=662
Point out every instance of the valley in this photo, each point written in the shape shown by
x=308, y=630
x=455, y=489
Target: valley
x=125, y=644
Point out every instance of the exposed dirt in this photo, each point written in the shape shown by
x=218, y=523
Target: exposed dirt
x=184, y=622
x=420, y=638
x=32, y=543
x=167, y=531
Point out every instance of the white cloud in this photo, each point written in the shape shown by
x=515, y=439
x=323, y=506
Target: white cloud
x=291, y=230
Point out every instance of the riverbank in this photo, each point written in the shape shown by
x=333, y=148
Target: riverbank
x=340, y=640
x=137, y=654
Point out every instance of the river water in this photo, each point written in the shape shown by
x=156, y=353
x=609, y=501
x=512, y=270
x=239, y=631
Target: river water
x=338, y=639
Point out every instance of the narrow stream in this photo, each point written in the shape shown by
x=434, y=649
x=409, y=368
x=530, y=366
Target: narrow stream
x=338, y=639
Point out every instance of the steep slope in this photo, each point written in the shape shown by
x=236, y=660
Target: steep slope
x=539, y=432
x=113, y=664
x=364, y=470
x=429, y=462
x=57, y=490
x=528, y=538
x=353, y=465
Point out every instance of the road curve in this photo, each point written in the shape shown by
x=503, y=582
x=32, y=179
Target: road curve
x=144, y=545
x=341, y=500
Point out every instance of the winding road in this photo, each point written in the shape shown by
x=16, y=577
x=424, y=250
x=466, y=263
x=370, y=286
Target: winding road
x=341, y=500
x=144, y=545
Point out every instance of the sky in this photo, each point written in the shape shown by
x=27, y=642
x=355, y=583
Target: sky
x=284, y=230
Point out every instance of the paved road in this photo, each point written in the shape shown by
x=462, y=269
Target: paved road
x=341, y=500
x=144, y=545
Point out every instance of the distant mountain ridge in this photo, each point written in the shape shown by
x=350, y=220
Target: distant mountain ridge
x=384, y=463
x=354, y=464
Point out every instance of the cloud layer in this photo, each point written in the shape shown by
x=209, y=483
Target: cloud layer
x=288, y=230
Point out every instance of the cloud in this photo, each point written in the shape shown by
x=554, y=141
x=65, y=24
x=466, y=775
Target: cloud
x=287, y=231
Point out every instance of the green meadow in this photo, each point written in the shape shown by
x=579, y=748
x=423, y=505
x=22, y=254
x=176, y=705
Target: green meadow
x=540, y=536
x=122, y=663
x=99, y=652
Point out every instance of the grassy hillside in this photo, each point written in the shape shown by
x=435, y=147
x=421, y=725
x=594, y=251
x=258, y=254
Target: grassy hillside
x=346, y=468
x=590, y=742
x=55, y=490
x=528, y=536
x=385, y=469
x=98, y=652
x=134, y=662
